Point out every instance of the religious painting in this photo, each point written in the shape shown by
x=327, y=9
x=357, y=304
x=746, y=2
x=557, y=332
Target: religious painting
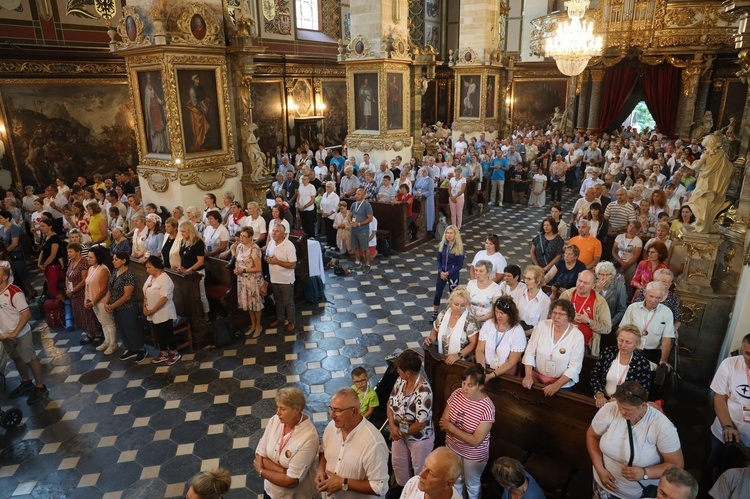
x=490, y=108
x=334, y=100
x=432, y=34
x=153, y=111
x=66, y=129
x=534, y=101
x=198, y=27
x=302, y=96
x=732, y=105
x=366, y=101
x=395, y=106
x=444, y=101
x=432, y=9
x=130, y=28
x=268, y=113
x=428, y=103
x=470, y=92
x=199, y=109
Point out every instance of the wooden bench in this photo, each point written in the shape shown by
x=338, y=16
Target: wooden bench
x=547, y=434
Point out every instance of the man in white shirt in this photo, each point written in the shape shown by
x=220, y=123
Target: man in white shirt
x=460, y=146
x=442, y=467
x=321, y=154
x=365, y=165
x=281, y=256
x=655, y=321
x=353, y=460
x=383, y=172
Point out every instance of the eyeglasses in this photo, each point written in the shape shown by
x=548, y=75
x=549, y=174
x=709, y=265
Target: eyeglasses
x=334, y=410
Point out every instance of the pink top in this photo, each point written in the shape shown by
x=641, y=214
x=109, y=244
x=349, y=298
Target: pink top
x=467, y=415
x=93, y=287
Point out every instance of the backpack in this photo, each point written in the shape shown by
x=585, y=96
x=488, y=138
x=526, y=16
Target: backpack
x=221, y=332
x=53, y=312
x=384, y=247
x=315, y=290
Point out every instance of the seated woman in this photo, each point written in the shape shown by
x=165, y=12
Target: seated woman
x=565, y=272
x=482, y=291
x=620, y=363
x=623, y=469
x=533, y=304
x=491, y=252
x=547, y=246
x=683, y=223
x=409, y=412
x=288, y=449
x=662, y=235
x=467, y=421
x=611, y=286
x=554, y=355
x=655, y=257
x=512, y=285
x=455, y=329
x=502, y=340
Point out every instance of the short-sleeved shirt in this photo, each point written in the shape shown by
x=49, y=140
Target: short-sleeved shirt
x=732, y=484
x=367, y=398
x=416, y=407
x=12, y=305
x=189, y=253
x=471, y=327
x=117, y=285
x=9, y=234
x=156, y=288
x=499, y=344
x=47, y=249
x=213, y=237
x=565, y=278
x=467, y=415
x=731, y=381
x=497, y=259
x=626, y=246
x=589, y=247
x=482, y=299
x=360, y=210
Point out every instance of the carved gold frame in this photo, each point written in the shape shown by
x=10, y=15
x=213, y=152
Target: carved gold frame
x=182, y=17
x=351, y=97
x=563, y=105
x=389, y=69
x=481, y=76
x=727, y=82
x=145, y=157
x=13, y=158
x=130, y=12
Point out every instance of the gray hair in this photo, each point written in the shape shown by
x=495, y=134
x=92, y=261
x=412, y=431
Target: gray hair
x=665, y=272
x=486, y=264
x=677, y=476
x=291, y=396
x=606, y=267
x=656, y=286
x=331, y=184
x=230, y=195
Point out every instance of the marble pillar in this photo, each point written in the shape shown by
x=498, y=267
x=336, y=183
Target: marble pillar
x=701, y=101
x=688, y=96
x=583, y=101
x=595, y=103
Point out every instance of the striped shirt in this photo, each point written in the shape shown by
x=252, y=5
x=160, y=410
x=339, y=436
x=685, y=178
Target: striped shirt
x=619, y=216
x=467, y=415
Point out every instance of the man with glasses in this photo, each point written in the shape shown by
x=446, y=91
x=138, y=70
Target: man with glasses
x=353, y=454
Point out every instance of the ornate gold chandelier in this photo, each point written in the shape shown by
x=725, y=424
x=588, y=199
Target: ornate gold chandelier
x=574, y=42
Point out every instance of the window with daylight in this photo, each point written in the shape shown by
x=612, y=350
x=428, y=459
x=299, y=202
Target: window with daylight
x=308, y=14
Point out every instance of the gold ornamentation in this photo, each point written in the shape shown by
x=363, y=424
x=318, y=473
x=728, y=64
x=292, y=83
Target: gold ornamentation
x=130, y=29
x=475, y=126
x=680, y=17
x=704, y=251
x=208, y=179
x=400, y=48
x=359, y=48
x=158, y=180
x=365, y=143
x=189, y=27
x=690, y=77
x=692, y=311
x=61, y=68
x=467, y=57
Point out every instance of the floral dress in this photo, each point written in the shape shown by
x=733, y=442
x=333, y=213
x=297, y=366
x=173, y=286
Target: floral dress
x=248, y=283
x=84, y=317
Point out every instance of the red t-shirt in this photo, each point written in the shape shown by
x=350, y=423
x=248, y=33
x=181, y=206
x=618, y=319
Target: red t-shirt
x=584, y=305
x=405, y=199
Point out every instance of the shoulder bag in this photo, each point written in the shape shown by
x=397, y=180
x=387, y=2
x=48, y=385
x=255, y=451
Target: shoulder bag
x=650, y=491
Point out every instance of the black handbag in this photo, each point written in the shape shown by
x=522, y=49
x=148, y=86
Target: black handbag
x=649, y=491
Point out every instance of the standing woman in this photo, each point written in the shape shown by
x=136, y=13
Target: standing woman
x=170, y=246
x=192, y=256
x=249, y=279
x=154, y=235
x=10, y=234
x=343, y=230
x=556, y=214
x=140, y=233
x=502, y=340
x=538, y=188
x=120, y=303
x=329, y=205
x=409, y=412
x=287, y=451
x=599, y=226
x=96, y=290
x=467, y=421
x=457, y=188
x=455, y=330
x=483, y=291
x=49, y=258
x=424, y=188
x=195, y=217
x=512, y=285
x=159, y=309
x=557, y=178
x=97, y=225
x=75, y=281
x=257, y=222
x=617, y=364
x=547, y=246
x=450, y=260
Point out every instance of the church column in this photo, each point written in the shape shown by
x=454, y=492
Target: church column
x=595, y=104
x=690, y=80
x=378, y=80
x=477, y=64
x=506, y=98
x=423, y=71
x=701, y=101
x=583, y=100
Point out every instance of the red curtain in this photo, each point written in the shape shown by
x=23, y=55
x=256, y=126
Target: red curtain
x=661, y=88
x=618, y=84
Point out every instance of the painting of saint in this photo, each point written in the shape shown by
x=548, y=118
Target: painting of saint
x=154, y=116
x=198, y=27
x=268, y=112
x=395, y=101
x=469, y=97
x=366, y=110
x=490, y=111
x=130, y=28
x=432, y=9
x=200, y=110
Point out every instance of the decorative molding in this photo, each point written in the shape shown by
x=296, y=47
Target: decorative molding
x=467, y=57
x=366, y=143
x=61, y=68
x=131, y=29
x=208, y=179
x=399, y=48
x=187, y=32
x=158, y=180
x=312, y=70
x=359, y=48
x=475, y=126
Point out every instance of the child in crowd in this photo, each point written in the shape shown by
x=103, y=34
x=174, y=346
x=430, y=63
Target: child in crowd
x=368, y=399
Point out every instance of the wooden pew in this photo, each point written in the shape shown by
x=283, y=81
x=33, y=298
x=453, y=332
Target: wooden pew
x=547, y=434
x=392, y=217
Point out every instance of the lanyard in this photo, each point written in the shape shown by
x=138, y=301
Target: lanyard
x=552, y=339
x=621, y=378
x=500, y=337
x=645, y=328
x=583, y=305
x=407, y=403
x=285, y=440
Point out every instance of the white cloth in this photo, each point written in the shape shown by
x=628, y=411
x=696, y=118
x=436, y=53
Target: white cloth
x=305, y=195
x=329, y=204
x=411, y=490
x=499, y=344
x=534, y=310
x=456, y=185
x=513, y=293
x=258, y=225
x=153, y=290
x=626, y=246
x=298, y=456
x=482, y=299
x=454, y=345
x=731, y=379
x=315, y=260
x=498, y=261
x=652, y=435
x=363, y=456
x=212, y=237
x=659, y=323
x=556, y=359
x=286, y=252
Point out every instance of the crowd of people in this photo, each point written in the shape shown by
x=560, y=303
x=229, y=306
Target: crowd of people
x=601, y=284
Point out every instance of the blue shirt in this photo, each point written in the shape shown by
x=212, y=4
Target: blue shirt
x=533, y=491
x=499, y=173
x=339, y=162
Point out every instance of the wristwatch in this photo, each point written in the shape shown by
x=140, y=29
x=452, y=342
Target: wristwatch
x=345, y=486
x=645, y=475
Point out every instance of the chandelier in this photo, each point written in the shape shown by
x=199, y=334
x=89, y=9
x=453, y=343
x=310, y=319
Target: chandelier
x=574, y=42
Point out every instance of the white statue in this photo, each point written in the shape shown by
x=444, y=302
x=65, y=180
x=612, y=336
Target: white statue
x=730, y=130
x=711, y=186
x=703, y=127
x=557, y=119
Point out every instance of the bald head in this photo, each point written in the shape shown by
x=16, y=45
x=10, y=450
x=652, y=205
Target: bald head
x=585, y=283
x=442, y=467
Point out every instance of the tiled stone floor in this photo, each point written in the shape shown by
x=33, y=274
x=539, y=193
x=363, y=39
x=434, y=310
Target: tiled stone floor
x=116, y=429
